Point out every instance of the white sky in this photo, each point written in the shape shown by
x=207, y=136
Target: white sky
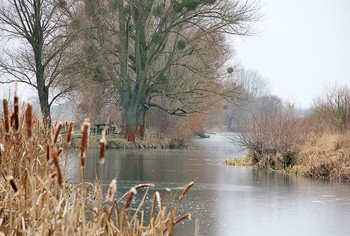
x=303, y=46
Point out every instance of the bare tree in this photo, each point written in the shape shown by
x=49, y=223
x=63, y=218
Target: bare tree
x=254, y=90
x=334, y=107
x=166, y=48
x=43, y=33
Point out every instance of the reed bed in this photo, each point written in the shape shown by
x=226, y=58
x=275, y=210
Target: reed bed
x=37, y=199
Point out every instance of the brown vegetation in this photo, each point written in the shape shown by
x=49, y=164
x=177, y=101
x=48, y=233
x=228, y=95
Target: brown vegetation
x=325, y=155
x=36, y=197
x=316, y=146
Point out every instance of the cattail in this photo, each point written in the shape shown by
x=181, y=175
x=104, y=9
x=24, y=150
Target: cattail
x=6, y=115
x=84, y=141
x=111, y=190
x=49, y=134
x=143, y=186
x=57, y=133
x=13, y=184
x=182, y=218
x=186, y=190
x=29, y=123
x=16, y=111
x=12, y=119
x=70, y=131
x=47, y=152
x=53, y=175
x=103, y=143
x=132, y=192
x=55, y=160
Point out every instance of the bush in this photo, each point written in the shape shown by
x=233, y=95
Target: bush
x=334, y=108
x=272, y=139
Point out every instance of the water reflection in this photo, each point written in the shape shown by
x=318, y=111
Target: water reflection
x=229, y=200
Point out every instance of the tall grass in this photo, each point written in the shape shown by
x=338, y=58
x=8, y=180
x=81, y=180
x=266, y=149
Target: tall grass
x=37, y=199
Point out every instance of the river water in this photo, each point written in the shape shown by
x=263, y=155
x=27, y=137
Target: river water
x=227, y=200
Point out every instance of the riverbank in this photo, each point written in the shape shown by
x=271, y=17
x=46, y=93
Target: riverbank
x=118, y=142
x=324, y=155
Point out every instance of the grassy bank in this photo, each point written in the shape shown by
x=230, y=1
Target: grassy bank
x=323, y=155
x=37, y=199
x=118, y=142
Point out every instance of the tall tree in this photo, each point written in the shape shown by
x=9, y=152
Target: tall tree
x=40, y=29
x=170, y=49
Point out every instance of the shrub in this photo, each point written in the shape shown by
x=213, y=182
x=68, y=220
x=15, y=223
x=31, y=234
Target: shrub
x=272, y=138
x=334, y=108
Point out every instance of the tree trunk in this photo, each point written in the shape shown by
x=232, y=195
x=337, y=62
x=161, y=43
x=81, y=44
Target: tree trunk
x=43, y=93
x=229, y=123
x=44, y=104
x=130, y=132
x=37, y=45
x=131, y=124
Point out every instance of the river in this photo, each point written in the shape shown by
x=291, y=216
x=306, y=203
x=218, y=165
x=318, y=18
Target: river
x=228, y=200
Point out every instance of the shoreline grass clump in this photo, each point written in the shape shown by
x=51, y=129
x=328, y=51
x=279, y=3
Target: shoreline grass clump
x=37, y=199
x=241, y=161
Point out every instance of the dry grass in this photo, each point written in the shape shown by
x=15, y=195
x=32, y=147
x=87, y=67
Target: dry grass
x=36, y=198
x=325, y=156
x=242, y=161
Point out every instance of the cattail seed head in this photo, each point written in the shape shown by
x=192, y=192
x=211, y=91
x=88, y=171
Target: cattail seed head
x=182, y=218
x=47, y=152
x=128, y=201
x=53, y=175
x=6, y=115
x=111, y=190
x=56, y=162
x=57, y=133
x=16, y=112
x=12, y=119
x=186, y=190
x=103, y=143
x=84, y=141
x=70, y=131
x=143, y=186
x=82, y=161
x=29, y=123
x=13, y=184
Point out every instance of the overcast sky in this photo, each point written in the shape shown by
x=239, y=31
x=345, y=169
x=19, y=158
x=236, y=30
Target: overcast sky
x=303, y=46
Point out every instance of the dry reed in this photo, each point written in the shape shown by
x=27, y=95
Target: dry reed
x=38, y=200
